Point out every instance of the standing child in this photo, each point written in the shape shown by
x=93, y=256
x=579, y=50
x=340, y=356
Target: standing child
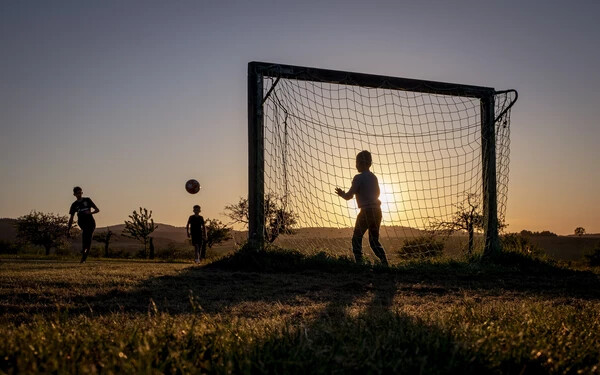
x=366, y=188
x=196, y=229
x=83, y=207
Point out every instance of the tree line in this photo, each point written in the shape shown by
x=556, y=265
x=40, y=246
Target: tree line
x=49, y=230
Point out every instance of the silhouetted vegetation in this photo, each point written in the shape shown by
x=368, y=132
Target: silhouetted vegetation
x=140, y=227
x=8, y=247
x=216, y=232
x=545, y=233
x=579, y=231
x=43, y=229
x=594, y=256
x=519, y=243
x=278, y=218
x=274, y=259
x=104, y=237
x=468, y=217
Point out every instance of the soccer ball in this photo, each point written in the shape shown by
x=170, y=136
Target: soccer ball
x=192, y=186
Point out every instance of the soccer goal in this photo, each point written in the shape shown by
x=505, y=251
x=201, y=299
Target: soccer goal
x=440, y=152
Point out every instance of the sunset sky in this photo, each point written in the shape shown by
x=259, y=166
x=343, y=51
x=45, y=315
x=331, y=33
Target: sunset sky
x=129, y=99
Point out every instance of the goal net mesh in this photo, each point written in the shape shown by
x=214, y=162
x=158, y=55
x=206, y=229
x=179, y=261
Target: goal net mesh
x=427, y=156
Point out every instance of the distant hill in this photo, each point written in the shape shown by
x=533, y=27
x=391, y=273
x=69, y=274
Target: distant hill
x=164, y=233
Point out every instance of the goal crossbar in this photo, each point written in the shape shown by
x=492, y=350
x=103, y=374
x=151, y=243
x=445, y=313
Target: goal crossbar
x=367, y=80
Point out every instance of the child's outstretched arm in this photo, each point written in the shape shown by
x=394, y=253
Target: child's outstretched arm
x=346, y=195
x=343, y=194
x=350, y=193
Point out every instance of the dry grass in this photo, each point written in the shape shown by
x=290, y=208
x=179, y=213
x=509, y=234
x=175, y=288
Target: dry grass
x=282, y=312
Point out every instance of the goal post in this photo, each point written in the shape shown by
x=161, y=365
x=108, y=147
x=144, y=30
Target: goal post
x=306, y=124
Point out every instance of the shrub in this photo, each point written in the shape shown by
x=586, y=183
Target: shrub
x=8, y=247
x=544, y=233
x=518, y=243
x=593, y=257
x=175, y=251
x=421, y=247
x=120, y=253
x=64, y=248
x=96, y=251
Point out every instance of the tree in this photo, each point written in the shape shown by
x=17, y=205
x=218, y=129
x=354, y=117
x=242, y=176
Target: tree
x=216, y=232
x=593, y=256
x=544, y=233
x=468, y=217
x=579, y=231
x=278, y=219
x=140, y=227
x=47, y=230
x=151, y=247
x=104, y=237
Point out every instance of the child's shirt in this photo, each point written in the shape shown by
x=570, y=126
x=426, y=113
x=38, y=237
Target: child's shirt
x=83, y=208
x=366, y=188
x=196, y=224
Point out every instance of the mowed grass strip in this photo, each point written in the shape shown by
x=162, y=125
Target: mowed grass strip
x=283, y=312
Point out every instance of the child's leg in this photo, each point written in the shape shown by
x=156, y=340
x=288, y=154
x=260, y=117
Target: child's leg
x=84, y=241
x=203, y=250
x=374, y=219
x=87, y=232
x=196, y=252
x=359, y=231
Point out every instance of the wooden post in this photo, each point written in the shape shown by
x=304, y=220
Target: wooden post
x=490, y=199
x=256, y=160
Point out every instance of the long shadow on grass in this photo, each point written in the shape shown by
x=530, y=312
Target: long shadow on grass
x=341, y=317
x=347, y=337
x=243, y=281
x=360, y=330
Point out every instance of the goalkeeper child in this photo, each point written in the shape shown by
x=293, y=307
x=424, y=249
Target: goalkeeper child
x=366, y=188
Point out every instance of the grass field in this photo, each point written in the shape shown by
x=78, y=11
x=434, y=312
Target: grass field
x=283, y=312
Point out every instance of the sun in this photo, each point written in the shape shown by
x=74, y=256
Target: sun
x=391, y=202
x=387, y=195
x=390, y=197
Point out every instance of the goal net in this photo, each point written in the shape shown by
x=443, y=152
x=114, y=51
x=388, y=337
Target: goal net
x=427, y=140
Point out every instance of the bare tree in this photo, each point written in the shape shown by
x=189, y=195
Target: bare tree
x=468, y=217
x=104, y=237
x=278, y=219
x=140, y=227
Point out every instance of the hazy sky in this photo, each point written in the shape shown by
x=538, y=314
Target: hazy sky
x=129, y=99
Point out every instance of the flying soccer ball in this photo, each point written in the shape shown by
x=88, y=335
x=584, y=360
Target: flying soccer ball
x=192, y=186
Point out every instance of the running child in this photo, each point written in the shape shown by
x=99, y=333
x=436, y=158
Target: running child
x=85, y=208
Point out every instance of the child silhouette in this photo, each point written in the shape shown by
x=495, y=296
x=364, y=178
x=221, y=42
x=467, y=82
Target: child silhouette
x=366, y=188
